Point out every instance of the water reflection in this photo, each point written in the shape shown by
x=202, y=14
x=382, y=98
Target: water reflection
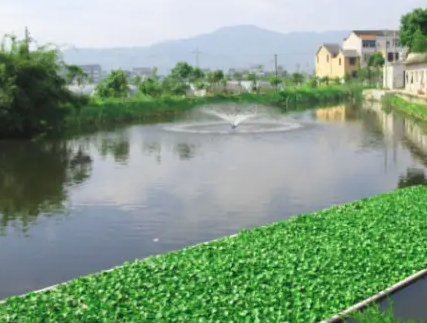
x=408, y=133
x=340, y=113
x=34, y=179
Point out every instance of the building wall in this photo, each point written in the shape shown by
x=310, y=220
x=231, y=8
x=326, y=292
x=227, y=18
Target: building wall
x=349, y=68
x=416, y=77
x=353, y=42
x=337, y=66
x=94, y=71
x=323, y=63
x=393, y=76
x=356, y=43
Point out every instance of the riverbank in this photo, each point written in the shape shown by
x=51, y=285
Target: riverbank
x=112, y=111
x=411, y=105
x=411, y=109
x=305, y=269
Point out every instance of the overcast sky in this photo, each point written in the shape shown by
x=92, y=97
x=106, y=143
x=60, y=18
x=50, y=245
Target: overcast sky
x=107, y=23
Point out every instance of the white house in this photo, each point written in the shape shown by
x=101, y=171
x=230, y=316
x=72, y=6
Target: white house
x=367, y=42
x=416, y=73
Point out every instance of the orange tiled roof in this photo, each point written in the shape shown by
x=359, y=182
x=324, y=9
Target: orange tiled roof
x=367, y=36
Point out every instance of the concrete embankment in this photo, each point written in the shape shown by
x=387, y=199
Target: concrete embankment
x=378, y=95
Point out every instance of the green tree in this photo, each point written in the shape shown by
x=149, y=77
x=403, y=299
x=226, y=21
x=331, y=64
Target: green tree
x=75, y=74
x=174, y=87
x=376, y=60
x=114, y=86
x=313, y=82
x=215, y=77
x=419, y=43
x=297, y=78
x=136, y=80
x=410, y=23
x=182, y=71
x=150, y=87
x=337, y=80
x=275, y=81
x=325, y=80
x=254, y=79
x=154, y=73
x=33, y=94
x=197, y=75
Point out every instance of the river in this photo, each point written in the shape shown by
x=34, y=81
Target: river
x=78, y=206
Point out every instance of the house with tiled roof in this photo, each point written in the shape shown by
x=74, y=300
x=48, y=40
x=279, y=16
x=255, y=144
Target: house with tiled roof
x=332, y=61
x=368, y=42
x=335, y=60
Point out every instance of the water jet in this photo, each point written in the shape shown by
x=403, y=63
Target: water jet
x=235, y=119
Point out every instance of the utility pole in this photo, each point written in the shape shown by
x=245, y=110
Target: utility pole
x=197, y=52
x=27, y=35
x=275, y=66
x=394, y=46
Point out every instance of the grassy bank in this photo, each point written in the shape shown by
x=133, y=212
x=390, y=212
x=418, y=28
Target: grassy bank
x=305, y=269
x=100, y=112
x=374, y=314
x=414, y=110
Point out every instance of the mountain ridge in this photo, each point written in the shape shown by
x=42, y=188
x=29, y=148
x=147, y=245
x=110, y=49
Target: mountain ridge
x=239, y=46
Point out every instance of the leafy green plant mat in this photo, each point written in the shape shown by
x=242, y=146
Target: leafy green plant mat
x=305, y=269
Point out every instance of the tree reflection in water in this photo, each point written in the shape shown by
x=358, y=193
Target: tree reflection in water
x=34, y=178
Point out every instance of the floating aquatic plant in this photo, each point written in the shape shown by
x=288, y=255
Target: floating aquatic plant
x=305, y=269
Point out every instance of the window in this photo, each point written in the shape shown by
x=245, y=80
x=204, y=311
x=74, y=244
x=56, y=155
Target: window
x=339, y=61
x=367, y=43
x=396, y=42
x=387, y=44
x=396, y=56
x=327, y=58
x=352, y=61
x=354, y=74
x=390, y=57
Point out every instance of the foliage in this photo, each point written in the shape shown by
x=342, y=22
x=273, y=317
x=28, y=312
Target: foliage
x=336, y=80
x=297, y=78
x=138, y=108
x=76, y=74
x=376, y=60
x=374, y=314
x=410, y=23
x=114, y=86
x=414, y=110
x=150, y=87
x=215, y=77
x=325, y=80
x=275, y=81
x=305, y=269
x=419, y=43
x=313, y=82
x=33, y=95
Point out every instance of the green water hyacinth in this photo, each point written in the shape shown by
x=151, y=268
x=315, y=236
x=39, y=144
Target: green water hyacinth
x=301, y=270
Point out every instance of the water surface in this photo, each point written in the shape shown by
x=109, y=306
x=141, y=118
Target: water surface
x=70, y=208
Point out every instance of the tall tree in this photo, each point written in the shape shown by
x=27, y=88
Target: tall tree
x=410, y=23
x=376, y=60
x=33, y=94
x=114, y=86
x=419, y=42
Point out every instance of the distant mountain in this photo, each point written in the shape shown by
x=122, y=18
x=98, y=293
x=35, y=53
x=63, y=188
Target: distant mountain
x=228, y=47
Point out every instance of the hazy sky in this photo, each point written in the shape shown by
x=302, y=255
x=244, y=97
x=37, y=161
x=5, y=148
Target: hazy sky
x=102, y=23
